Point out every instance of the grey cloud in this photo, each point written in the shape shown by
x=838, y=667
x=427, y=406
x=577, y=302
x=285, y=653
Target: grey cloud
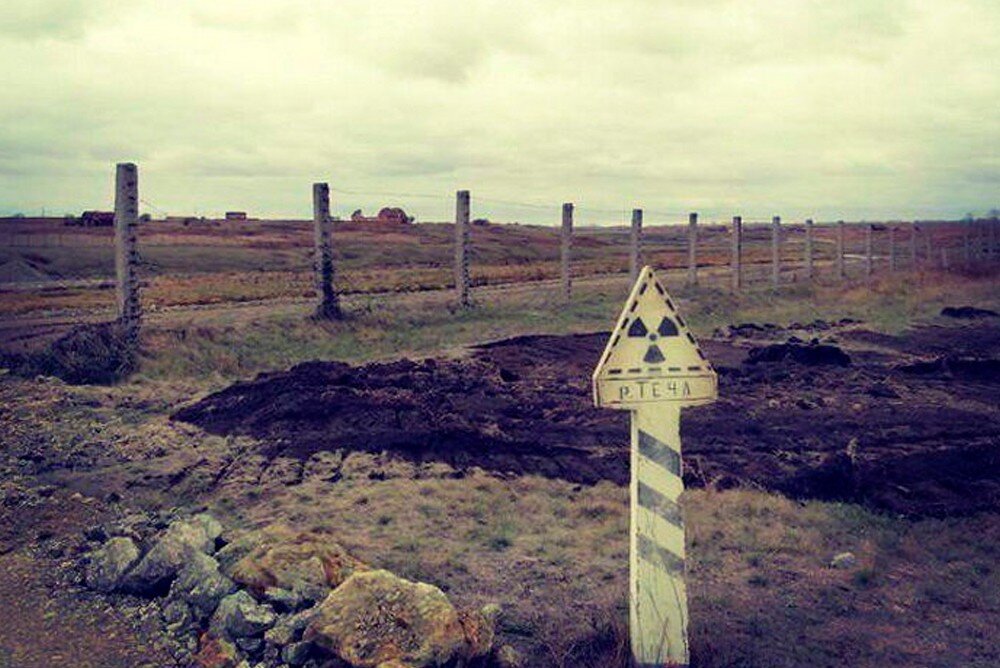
x=55, y=19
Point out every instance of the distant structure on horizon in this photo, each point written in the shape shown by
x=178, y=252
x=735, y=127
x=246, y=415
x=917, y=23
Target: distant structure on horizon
x=93, y=219
x=385, y=215
x=236, y=215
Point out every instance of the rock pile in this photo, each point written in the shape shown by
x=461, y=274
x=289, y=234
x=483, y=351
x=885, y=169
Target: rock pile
x=276, y=597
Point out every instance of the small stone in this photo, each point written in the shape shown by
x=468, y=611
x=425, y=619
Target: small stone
x=240, y=616
x=250, y=645
x=508, y=657
x=201, y=584
x=109, y=564
x=844, y=560
x=297, y=653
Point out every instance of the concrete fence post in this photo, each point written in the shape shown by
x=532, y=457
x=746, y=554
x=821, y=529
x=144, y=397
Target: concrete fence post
x=892, y=248
x=126, y=219
x=776, y=251
x=462, y=207
x=692, y=249
x=736, y=260
x=841, y=266
x=809, y=249
x=967, y=241
x=328, y=305
x=635, y=246
x=566, y=247
x=869, y=250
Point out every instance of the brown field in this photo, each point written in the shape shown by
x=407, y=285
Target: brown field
x=460, y=448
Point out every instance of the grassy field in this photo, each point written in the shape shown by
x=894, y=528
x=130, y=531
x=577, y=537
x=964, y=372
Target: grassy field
x=923, y=592
x=215, y=262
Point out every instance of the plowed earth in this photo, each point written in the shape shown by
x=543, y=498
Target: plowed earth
x=911, y=425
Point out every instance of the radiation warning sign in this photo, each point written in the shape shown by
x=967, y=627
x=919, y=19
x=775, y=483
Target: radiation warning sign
x=652, y=366
x=651, y=356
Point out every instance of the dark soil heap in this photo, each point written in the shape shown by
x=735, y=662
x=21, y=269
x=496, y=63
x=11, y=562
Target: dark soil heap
x=804, y=419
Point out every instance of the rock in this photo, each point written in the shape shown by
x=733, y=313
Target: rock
x=200, y=583
x=308, y=565
x=508, y=657
x=844, y=560
x=375, y=617
x=289, y=629
x=240, y=616
x=109, y=564
x=967, y=312
x=216, y=652
x=177, y=615
x=284, y=600
x=480, y=631
x=177, y=546
x=250, y=645
x=883, y=390
x=811, y=354
x=297, y=653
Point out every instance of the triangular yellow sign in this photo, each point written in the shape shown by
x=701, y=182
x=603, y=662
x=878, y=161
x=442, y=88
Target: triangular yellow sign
x=651, y=356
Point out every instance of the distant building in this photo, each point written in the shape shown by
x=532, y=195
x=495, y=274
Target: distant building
x=385, y=215
x=93, y=219
x=236, y=215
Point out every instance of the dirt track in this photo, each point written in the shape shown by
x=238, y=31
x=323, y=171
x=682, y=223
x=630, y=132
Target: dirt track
x=911, y=425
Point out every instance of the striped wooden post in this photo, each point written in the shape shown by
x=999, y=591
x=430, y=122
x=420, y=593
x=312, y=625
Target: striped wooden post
x=658, y=614
x=652, y=366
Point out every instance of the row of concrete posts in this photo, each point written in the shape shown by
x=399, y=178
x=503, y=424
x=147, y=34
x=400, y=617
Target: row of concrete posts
x=979, y=243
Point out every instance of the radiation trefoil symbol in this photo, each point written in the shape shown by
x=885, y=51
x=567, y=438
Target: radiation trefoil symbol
x=653, y=354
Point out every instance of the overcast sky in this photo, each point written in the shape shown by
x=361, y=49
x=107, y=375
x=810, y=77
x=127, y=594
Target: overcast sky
x=822, y=108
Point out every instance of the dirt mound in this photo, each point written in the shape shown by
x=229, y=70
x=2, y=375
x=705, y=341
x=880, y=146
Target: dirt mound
x=86, y=355
x=812, y=354
x=523, y=406
x=462, y=413
x=971, y=369
x=968, y=312
x=19, y=270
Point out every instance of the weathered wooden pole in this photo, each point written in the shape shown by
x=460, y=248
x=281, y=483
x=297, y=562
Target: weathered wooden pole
x=776, y=251
x=566, y=247
x=841, y=259
x=635, y=245
x=869, y=250
x=809, y=249
x=328, y=305
x=462, y=207
x=692, y=278
x=736, y=257
x=652, y=367
x=126, y=220
x=892, y=248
